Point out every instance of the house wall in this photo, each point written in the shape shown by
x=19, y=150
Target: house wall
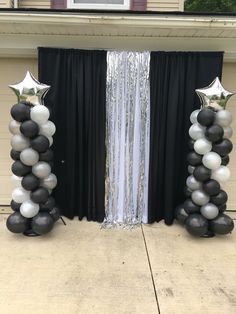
x=13, y=70
x=168, y=5
x=39, y=4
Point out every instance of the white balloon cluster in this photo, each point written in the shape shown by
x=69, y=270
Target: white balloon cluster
x=31, y=141
x=210, y=146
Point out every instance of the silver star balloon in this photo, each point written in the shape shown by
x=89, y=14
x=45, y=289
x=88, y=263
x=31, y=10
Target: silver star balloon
x=214, y=95
x=30, y=90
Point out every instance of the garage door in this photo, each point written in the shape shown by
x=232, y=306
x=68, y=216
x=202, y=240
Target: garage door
x=11, y=71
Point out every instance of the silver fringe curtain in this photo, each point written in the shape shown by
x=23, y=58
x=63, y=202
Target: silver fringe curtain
x=127, y=138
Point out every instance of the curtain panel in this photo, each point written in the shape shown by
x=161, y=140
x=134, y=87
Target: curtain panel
x=77, y=100
x=174, y=76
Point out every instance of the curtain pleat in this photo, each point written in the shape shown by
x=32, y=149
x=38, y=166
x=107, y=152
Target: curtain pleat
x=77, y=102
x=174, y=76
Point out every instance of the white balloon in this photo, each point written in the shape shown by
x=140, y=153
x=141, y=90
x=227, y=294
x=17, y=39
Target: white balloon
x=202, y=146
x=20, y=195
x=50, y=138
x=41, y=170
x=209, y=211
x=29, y=157
x=224, y=118
x=222, y=174
x=14, y=127
x=228, y=132
x=192, y=183
x=211, y=160
x=47, y=129
x=199, y=197
x=50, y=182
x=197, y=131
x=39, y=114
x=193, y=116
x=19, y=142
x=16, y=181
x=29, y=209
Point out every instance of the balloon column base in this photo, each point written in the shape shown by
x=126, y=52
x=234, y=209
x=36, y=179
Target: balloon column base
x=209, y=234
x=30, y=233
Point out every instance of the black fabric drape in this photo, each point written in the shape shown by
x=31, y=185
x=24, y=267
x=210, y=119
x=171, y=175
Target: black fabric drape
x=77, y=102
x=174, y=76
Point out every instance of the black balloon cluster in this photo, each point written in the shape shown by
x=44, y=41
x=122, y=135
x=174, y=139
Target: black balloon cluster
x=203, y=210
x=34, y=208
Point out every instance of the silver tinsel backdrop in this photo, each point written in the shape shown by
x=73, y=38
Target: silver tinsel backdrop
x=127, y=138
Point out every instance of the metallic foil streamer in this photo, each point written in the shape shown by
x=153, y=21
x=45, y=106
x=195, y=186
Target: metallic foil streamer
x=127, y=138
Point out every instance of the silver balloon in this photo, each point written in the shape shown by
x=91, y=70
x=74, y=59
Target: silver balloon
x=224, y=118
x=41, y=169
x=30, y=90
x=14, y=127
x=192, y=183
x=50, y=138
x=19, y=142
x=29, y=209
x=190, y=169
x=47, y=129
x=228, y=132
x=222, y=174
x=211, y=160
x=197, y=131
x=209, y=211
x=199, y=197
x=202, y=146
x=214, y=95
x=16, y=181
x=20, y=195
x=193, y=116
x=39, y=114
x=50, y=182
x=29, y=157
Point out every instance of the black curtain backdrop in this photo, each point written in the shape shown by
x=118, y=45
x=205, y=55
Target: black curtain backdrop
x=174, y=76
x=77, y=101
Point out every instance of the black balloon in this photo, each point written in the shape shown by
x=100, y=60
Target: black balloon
x=190, y=207
x=214, y=133
x=222, y=224
x=48, y=205
x=223, y=148
x=187, y=191
x=42, y=223
x=201, y=173
x=225, y=160
x=191, y=144
x=196, y=225
x=211, y=187
x=16, y=223
x=206, y=117
x=15, y=155
x=55, y=213
x=20, y=112
x=46, y=156
x=180, y=214
x=219, y=199
x=222, y=208
x=29, y=128
x=19, y=169
x=40, y=143
x=15, y=206
x=30, y=182
x=194, y=159
x=40, y=195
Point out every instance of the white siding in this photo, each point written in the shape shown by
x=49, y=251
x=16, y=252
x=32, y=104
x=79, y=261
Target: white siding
x=169, y=5
x=42, y=4
x=5, y=4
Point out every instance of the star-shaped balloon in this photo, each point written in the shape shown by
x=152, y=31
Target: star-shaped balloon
x=214, y=95
x=30, y=90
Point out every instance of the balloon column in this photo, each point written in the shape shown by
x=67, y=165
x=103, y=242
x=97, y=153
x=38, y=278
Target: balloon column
x=34, y=208
x=210, y=145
